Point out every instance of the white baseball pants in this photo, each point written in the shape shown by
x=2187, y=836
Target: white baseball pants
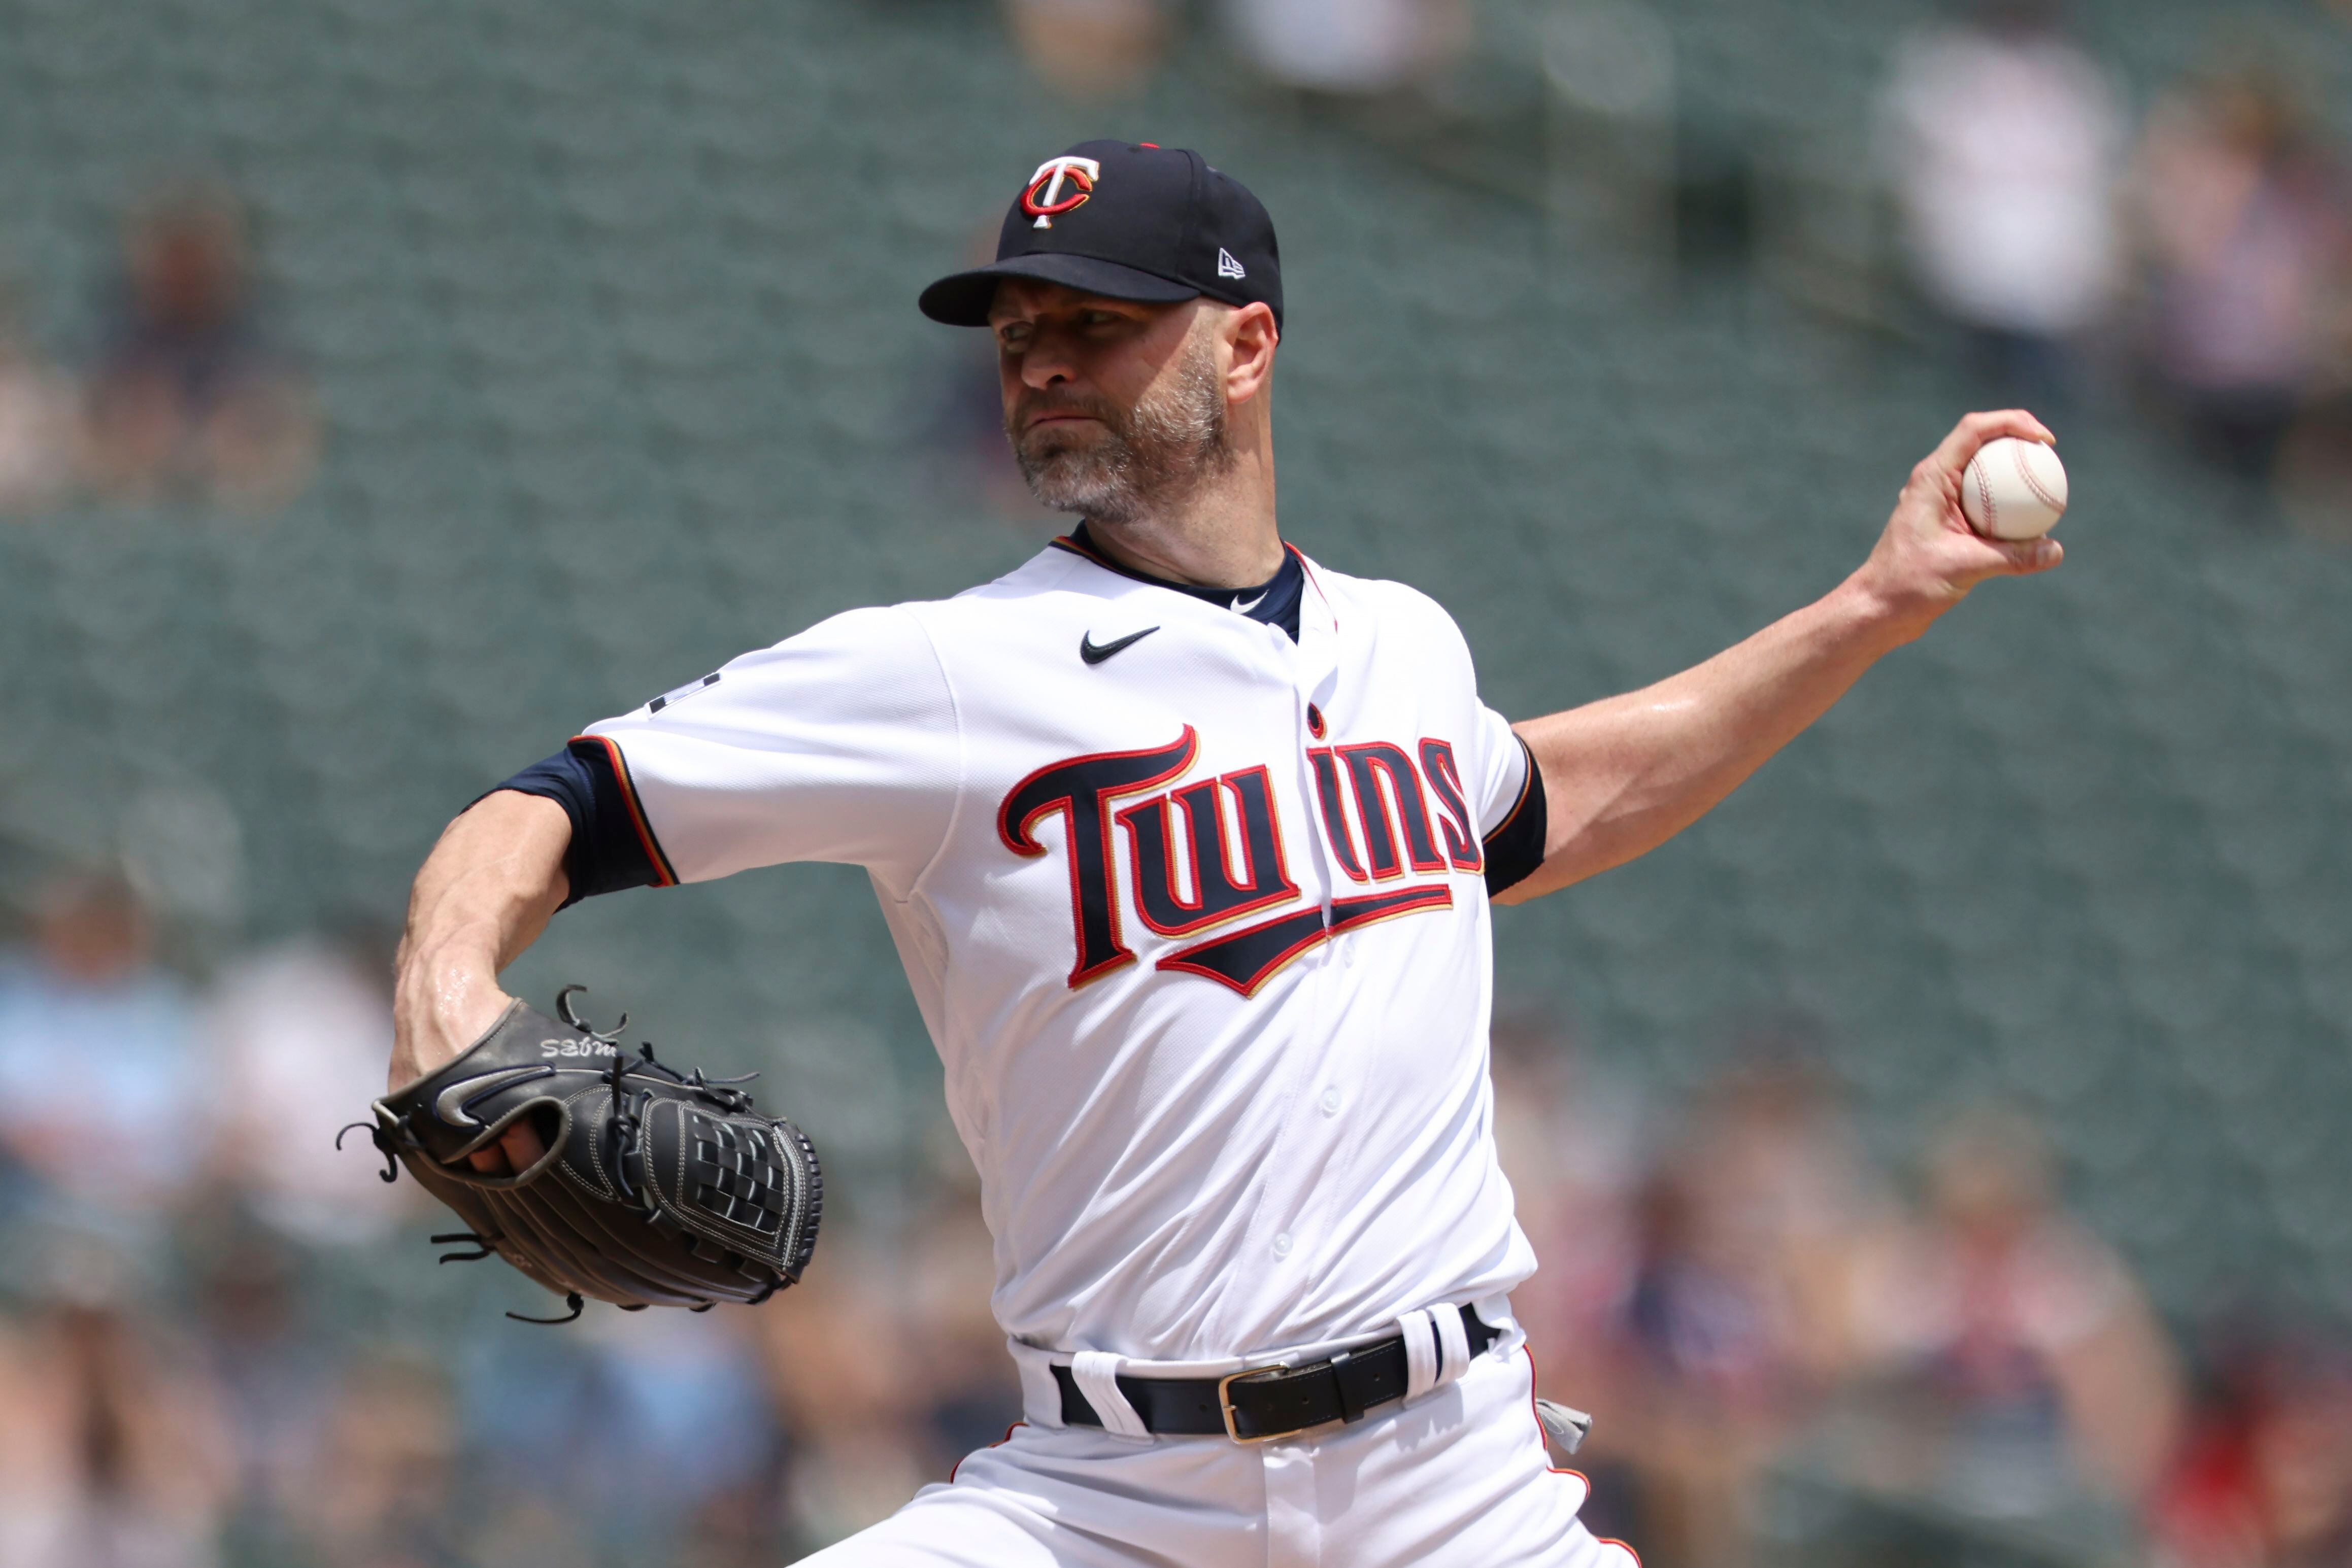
x=1458, y=1477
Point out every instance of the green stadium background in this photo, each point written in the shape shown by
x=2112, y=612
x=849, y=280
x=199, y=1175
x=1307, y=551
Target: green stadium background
x=609, y=308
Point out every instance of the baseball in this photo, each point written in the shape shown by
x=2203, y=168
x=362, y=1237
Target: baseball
x=2013, y=489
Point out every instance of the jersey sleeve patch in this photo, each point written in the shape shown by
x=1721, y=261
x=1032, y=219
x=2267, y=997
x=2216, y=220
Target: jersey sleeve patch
x=1516, y=848
x=612, y=845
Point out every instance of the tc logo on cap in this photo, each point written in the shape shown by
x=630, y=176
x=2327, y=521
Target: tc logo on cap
x=1045, y=200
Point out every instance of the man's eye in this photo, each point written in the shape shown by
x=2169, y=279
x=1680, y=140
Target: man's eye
x=1099, y=318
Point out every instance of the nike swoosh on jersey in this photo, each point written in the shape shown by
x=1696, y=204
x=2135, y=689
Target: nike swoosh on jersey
x=1095, y=652
x=1241, y=609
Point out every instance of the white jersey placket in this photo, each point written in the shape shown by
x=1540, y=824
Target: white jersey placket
x=1312, y=667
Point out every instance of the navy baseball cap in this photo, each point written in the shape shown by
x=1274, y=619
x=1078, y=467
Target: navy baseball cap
x=1125, y=220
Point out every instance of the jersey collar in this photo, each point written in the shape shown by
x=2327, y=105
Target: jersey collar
x=1275, y=601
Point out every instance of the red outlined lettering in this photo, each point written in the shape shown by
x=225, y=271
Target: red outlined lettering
x=1462, y=846
x=1080, y=791
x=1336, y=833
x=1349, y=913
x=1218, y=895
x=1368, y=763
x=1246, y=959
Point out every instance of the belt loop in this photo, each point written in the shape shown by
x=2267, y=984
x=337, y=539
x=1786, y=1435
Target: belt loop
x=1096, y=1372
x=1420, y=1353
x=1452, y=1342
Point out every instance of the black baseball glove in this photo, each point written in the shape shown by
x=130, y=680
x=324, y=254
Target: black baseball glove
x=656, y=1189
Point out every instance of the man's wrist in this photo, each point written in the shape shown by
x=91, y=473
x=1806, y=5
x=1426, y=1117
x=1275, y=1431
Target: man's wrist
x=449, y=992
x=1882, y=614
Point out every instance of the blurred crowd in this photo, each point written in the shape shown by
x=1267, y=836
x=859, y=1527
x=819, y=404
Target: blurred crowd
x=1746, y=1294
x=224, y=1342
x=2202, y=261
x=223, y=1345
x=2193, y=262
x=1338, y=49
x=187, y=397
x=1795, y=1355
x=2190, y=260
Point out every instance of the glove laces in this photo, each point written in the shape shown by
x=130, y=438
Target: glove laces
x=628, y=1126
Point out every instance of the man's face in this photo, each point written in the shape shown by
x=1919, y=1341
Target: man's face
x=1113, y=406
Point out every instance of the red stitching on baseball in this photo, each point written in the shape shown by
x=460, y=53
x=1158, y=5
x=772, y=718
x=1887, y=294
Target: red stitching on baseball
x=2026, y=473
x=1984, y=498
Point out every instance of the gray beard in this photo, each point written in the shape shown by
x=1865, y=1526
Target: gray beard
x=1146, y=459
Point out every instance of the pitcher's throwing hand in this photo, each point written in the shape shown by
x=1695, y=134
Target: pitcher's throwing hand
x=1928, y=557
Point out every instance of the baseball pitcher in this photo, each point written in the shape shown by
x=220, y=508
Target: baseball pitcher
x=1189, y=845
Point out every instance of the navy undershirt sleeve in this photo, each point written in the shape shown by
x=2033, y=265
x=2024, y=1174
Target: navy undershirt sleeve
x=1516, y=847
x=607, y=852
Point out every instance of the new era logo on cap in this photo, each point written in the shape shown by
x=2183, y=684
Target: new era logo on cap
x=1125, y=220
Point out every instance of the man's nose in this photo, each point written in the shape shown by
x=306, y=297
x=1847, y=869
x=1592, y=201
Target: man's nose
x=1044, y=363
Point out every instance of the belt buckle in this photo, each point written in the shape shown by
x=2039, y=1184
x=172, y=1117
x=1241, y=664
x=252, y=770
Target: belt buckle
x=1225, y=1399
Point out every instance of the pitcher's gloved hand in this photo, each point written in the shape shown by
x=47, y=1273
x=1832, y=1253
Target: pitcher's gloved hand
x=656, y=1188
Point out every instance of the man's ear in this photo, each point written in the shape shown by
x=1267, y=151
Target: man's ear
x=1252, y=338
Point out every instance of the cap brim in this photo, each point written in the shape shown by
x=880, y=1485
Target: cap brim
x=963, y=299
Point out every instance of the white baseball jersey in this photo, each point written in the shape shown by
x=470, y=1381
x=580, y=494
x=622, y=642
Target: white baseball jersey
x=1197, y=924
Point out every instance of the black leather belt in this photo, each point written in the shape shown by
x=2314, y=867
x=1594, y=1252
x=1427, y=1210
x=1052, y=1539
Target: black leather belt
x=1257, y=1403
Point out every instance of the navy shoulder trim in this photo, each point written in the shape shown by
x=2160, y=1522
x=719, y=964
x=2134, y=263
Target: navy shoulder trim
x=613, y=846
x=1516, y=848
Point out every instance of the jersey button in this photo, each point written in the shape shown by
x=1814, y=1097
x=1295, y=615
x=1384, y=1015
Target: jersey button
x=1330, y=1101
x=1282, y=1244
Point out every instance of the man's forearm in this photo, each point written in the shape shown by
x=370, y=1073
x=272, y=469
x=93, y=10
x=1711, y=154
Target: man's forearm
x=484, y=895
x=1623, y=775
